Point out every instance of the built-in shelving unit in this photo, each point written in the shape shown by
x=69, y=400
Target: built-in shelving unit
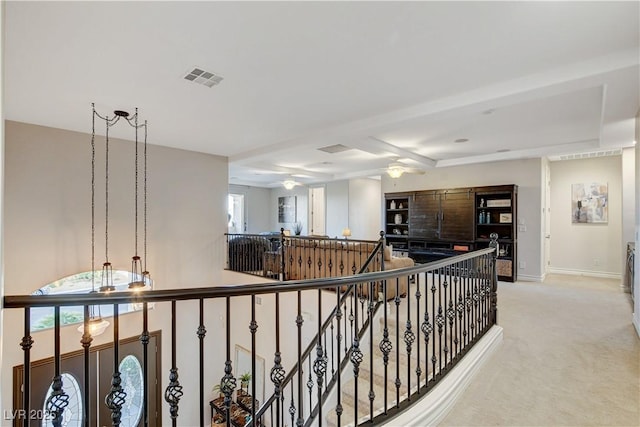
x=433, y=224
x=396, y=218
x=496, y=212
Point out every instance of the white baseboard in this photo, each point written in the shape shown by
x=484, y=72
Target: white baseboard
x=527, y=278
x=588, y=273
x=434, y=407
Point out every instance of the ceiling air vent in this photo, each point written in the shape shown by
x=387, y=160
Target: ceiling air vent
x=207, y=78
x=332, y=149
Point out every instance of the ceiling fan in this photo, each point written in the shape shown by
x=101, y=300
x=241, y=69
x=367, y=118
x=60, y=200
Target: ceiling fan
x=396, y=169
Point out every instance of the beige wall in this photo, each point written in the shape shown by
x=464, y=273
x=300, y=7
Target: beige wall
x=47, y=216
x=527, y=174
x=593, y=249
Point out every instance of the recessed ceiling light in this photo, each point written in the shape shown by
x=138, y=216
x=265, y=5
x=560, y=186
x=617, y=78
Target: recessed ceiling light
x=489, y=111
x=504, y=150
x=459, y=140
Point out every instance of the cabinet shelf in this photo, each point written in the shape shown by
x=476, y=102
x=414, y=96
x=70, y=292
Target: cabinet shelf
x=492, y=224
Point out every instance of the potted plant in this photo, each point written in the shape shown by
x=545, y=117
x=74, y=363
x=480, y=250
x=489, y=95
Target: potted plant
x=297, y=228
x=244, y=381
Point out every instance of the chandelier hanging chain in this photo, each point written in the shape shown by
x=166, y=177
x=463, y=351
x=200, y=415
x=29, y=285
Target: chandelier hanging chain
x=145, y=199
x=106, y=193
x=136, y=185
x=93, y=199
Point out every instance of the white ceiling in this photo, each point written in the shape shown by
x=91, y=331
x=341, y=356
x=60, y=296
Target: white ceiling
x=388, y=80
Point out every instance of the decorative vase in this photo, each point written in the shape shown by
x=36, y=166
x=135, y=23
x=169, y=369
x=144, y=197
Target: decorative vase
x=398, y=219
x=392, y=205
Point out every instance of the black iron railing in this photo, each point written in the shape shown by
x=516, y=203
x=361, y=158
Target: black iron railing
x=278, y=256
x=374, y=342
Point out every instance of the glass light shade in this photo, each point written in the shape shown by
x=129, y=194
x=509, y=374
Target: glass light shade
x=346, y=232
x=289, y=184
x=96, y=326
x=107, y=278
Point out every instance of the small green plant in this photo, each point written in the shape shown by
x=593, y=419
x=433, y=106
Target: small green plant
x=245, y=378
x=297, y=228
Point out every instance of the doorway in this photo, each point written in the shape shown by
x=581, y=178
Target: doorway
x=100, y=373
x=317, y=209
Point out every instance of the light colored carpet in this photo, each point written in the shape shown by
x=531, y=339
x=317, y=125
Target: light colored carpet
x=570, y=357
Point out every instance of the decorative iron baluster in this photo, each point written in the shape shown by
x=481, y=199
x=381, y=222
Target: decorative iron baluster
x=324, y=354
x=338, y=343
x=356, y=359
x=320, y=364
x=385, y=346
x=310, y=385
x=299, y=323
x=398, y=383
x=277, y=372
x=116, y=397
x=58, y=400
x=494, y=279
x=434, y=358
x=253, y=328
x=372, y=394
x=418, y=295
x=409, y=338
x=292, y=407
x=201, y=333
x=26, y=344
x=443, y=308
x=86, y=344
x=173, y=392
x=453, y=301
x=333, y=370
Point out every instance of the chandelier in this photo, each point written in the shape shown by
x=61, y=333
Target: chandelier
x=139, y=276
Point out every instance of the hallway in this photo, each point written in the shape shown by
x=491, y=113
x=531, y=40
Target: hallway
x=570, y=357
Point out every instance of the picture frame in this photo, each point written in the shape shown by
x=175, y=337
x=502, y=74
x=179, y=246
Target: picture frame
x=287, y=209
x=505, y=218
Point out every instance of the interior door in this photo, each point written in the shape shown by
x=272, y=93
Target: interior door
x=130, y=362
x=547, y=219
x=72, y=371
x=317, y=211
x=100, y=370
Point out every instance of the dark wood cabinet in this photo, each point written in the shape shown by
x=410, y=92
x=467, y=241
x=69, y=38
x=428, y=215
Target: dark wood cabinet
x=442, y=215
x=433, y=224
x=456, y=215
x=425, y=215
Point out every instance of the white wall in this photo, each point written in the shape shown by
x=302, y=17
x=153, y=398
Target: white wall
x=628, y=201
x=337, y=209
x=365, y=207
x=636, y=283
x=355, y=203
x=48, y=233
x=302, y=208
x=4, y=373
x=256, y=200
x=527, y=174
x=593, y=249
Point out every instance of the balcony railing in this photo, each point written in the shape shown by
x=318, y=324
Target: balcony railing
x=346, y=350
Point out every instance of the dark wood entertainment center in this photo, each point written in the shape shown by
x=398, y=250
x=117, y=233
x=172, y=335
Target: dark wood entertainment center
x=432, y=224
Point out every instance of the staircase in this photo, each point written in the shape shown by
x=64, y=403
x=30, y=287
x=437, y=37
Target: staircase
x=374, y=379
